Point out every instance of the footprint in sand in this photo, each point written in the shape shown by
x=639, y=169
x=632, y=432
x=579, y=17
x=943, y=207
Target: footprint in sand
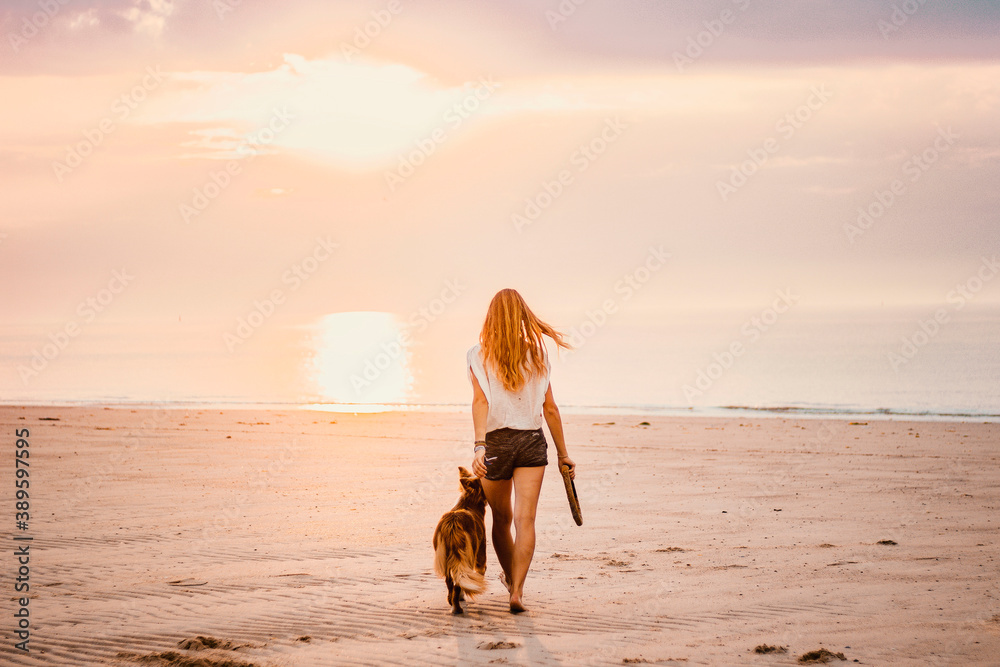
x=175, y=659
x=492, y=646
x=201, y=643
x=770, y=648
x=820, y=655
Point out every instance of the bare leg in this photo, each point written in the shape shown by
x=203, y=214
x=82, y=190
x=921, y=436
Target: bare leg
x=527, y=486
x=498, y=496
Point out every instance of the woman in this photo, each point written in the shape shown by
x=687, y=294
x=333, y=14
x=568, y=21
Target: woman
x=509, y=371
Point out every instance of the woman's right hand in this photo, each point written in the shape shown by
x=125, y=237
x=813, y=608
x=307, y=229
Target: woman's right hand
x=479, y=463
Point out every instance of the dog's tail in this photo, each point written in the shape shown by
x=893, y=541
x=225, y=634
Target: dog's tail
x=455, y=555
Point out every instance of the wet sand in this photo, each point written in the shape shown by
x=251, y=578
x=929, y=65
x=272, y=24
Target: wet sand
x=211, y=538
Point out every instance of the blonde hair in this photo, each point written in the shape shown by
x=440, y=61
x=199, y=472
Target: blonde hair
x=511, y=340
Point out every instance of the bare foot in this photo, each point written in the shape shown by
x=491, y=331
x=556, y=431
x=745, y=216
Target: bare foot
x=503, y=580
x=515, y=604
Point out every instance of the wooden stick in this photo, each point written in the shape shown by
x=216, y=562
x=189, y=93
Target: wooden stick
x=574, y=501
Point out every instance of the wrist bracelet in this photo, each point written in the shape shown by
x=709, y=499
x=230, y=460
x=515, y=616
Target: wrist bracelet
x=478, y=447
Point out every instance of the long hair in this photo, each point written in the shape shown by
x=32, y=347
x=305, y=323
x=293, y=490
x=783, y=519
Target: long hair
x=511, y=340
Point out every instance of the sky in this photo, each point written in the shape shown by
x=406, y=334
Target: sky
x=186, y=164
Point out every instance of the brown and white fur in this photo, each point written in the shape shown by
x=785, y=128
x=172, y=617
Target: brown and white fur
x=460, y=543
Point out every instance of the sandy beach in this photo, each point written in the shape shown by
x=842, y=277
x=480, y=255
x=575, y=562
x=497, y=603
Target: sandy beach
x=234, y=537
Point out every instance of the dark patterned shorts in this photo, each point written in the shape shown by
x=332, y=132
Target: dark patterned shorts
x=509, y=448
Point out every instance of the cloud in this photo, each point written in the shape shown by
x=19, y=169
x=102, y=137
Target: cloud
x=505, y=39
x=148, y=16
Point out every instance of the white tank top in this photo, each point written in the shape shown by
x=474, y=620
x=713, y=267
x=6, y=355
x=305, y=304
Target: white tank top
x=508, y=409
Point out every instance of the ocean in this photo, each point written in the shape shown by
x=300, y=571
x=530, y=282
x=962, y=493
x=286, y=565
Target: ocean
x=927, y=363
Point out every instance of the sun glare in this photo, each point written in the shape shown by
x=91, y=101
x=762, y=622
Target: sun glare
x=358, y=358
x=358, y=115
